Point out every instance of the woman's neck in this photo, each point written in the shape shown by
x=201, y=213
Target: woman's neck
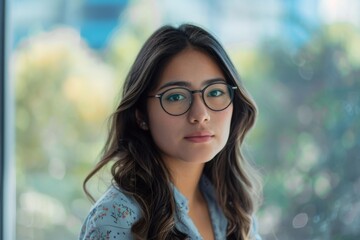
x=186, y=177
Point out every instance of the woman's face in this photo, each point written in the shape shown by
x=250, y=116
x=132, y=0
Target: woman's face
x=199, y=134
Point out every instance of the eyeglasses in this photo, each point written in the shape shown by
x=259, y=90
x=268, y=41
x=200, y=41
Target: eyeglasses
x=177, y=101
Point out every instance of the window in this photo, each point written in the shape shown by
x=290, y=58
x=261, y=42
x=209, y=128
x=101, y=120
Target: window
x=65, y=63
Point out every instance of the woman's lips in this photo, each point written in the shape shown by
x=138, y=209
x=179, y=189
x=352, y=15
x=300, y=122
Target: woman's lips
x=200, y=137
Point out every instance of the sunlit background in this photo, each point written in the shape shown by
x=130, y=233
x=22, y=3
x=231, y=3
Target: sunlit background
x=300, y=59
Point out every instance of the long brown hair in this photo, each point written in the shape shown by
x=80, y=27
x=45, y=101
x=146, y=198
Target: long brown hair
x=137, y=166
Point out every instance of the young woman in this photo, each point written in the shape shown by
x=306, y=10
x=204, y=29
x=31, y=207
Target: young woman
x=174, y=145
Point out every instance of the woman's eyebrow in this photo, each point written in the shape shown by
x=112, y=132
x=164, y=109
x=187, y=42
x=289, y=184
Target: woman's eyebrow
x=188, y=84
x=213, y=80
x=175, y=83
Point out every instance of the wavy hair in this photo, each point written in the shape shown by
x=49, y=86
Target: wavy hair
x=137, y=168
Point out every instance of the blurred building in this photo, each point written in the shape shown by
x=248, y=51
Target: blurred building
x=95, y=19
x=232, y=20
x=249, y=23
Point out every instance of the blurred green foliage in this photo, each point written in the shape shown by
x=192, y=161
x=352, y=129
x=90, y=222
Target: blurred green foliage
x=306, y=140
x=64, y=93
x=307, y=137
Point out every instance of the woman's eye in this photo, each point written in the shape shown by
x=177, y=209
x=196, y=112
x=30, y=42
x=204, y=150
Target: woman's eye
x=175, y=98
x=215, y=93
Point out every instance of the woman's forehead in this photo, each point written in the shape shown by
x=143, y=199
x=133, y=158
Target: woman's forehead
x=190, y=67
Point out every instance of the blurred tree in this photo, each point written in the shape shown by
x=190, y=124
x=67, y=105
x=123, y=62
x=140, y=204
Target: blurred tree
x=63, y=95
x=137, y=24
x=307, y=137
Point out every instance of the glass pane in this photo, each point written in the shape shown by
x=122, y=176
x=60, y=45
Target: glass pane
x=299, y=60
x=65, y=87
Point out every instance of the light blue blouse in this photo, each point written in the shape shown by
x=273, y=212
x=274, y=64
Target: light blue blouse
x=114, y=213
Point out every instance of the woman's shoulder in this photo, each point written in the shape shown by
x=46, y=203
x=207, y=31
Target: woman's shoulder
x=112, y=216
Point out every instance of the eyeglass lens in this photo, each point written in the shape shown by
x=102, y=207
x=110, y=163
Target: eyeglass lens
x=177, y=101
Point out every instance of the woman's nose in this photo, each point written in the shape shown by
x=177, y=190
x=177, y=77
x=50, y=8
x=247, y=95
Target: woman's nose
x=198, y=111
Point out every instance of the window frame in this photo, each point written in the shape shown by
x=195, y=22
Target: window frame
x=7, y=131
x=2, y=114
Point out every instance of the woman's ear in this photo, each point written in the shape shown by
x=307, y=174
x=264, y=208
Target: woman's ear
x=140, y=120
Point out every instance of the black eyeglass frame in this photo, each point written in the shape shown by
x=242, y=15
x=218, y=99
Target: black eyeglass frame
x=192, y=92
